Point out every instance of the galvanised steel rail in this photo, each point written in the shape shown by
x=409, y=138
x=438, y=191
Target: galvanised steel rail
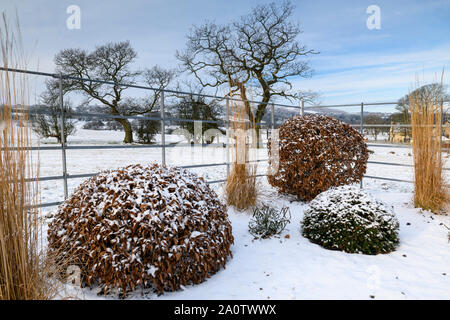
x=88, y=175
x=162, y=118
x=391, y=145
x=368, y=125
x=132, y=85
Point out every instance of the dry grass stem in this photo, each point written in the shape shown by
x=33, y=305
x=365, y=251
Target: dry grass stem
x=26, y=272
x=241, y=188
x=430, y=192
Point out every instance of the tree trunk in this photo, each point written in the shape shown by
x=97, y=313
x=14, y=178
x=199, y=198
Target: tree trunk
x=58, y=137
x=128, y=131
x=258, y=118
x=258, y=136
x=260, y=111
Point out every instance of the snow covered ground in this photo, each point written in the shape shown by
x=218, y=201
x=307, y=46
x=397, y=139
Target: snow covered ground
x=287, y=267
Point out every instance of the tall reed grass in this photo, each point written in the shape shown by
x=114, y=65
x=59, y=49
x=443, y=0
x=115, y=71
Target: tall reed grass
x=23, y=264
x=240, y=189
x=430, y=192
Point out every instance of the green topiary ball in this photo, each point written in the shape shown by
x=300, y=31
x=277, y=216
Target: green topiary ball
x=347, y=219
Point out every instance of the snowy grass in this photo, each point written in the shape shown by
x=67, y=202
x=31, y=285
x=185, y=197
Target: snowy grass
x=294, y=268
x=289, y=268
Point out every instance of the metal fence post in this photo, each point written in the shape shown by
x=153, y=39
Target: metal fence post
x=361, y=130
x=227, y=102
x=302, y=107
x=163, y=131
x=273, y=116
x=442, y=124
x=63, y=137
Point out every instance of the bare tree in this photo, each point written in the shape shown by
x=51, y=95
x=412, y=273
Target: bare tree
x=157, y=78
x=48, y=125
x=193, y=106
x=146, y=130
x=375, y=120
x=259, y=50
x=112, y=63
x=424, y=93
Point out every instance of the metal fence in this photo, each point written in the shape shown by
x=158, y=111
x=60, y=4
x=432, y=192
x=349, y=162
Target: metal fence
x=163, y=120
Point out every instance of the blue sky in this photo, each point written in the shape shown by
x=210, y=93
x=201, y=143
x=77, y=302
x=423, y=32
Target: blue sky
x=355, y=64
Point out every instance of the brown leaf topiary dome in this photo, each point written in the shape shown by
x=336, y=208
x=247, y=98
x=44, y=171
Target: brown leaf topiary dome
x=317, y=152
x=148, y=226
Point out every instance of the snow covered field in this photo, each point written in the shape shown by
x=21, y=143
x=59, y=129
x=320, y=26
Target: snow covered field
x=288, y=267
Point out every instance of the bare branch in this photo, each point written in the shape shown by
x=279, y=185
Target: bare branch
x=260, y=48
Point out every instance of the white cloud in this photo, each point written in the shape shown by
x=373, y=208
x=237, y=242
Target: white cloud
x=363, y=77
x=438, y=55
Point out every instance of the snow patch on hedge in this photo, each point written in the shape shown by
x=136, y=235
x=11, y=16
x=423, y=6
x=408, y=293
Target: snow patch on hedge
x=143, y=226
x=348, y=219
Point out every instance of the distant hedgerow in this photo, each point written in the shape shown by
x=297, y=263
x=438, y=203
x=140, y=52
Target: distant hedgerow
x=348, y=219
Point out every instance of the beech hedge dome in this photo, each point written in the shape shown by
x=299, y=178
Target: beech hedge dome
x=317, y=152
x=149, y=226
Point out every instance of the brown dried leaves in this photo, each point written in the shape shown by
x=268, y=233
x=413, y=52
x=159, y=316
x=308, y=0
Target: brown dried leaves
x=317, y=152
x=144, y=226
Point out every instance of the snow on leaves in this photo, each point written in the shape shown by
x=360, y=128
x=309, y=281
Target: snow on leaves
x=348, y=219
x=317, y=152
x=143, y=226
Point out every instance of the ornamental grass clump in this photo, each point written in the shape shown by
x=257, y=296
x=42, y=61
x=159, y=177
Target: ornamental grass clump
x=430, y=190
x=143, y=226
x=240, y=190
x=317, y=152
x=268, y=221
x=350, y=220
x=25, y=269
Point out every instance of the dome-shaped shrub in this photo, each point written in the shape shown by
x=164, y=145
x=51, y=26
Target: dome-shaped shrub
x=143, y=226
x=317, y=152
x=347, y=219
